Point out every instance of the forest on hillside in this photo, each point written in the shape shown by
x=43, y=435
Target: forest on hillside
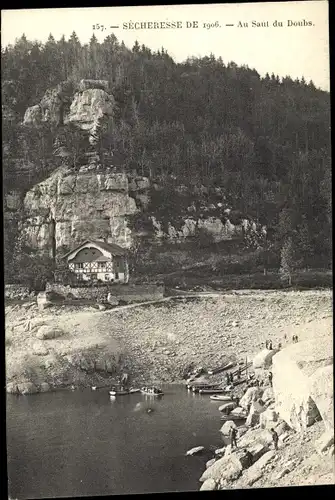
x=264, y=142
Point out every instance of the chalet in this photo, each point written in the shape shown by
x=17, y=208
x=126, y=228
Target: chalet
x=96, y=260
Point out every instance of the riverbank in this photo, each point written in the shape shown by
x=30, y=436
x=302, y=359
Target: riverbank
x=154, y=343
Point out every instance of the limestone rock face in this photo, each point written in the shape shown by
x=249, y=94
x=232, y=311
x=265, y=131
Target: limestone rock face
x=73, y=207
x=88, y=106
x=301, y=393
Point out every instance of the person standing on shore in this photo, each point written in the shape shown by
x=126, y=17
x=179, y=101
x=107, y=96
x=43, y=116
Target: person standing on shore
x=274, y=438
x=233, y=436
x=270, y=378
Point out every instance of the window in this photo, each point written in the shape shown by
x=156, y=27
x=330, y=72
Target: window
x=94, y=276
x=107, y=277
x=79, y=265
x=116, y=276
x=102, y=265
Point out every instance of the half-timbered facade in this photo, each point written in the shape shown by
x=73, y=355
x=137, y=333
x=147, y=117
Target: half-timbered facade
x=96, y=260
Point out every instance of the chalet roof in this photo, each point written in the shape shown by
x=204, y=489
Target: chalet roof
x=109, y=247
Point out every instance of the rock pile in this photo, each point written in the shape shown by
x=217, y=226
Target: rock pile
x=300, y=372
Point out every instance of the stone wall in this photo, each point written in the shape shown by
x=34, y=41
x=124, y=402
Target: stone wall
x=126, y=293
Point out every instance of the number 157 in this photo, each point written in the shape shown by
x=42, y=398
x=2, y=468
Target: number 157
x=100, y=27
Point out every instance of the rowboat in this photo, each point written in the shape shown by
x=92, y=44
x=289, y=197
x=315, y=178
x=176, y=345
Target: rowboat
x=221, y=397
x=198, y=388
x=233, y=417
x=118, y=393
x=151, y=391
x=221, y=368
x=123, y=392
x=212, y=391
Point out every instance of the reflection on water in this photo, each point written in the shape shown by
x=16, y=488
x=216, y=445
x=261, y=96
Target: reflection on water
x=86, y=443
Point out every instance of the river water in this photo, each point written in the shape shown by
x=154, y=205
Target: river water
x=83, y=443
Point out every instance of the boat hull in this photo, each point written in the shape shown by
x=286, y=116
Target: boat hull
x=219, y=397
x=233, y=417
x=221, y=369
x=212, y=391
x=152, y=394
x=118, y=393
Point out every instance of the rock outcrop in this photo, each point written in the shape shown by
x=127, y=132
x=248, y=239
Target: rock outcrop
x=71, y=207
x=302, y=382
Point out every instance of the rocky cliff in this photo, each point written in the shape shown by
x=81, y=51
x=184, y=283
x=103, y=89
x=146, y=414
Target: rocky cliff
x=71, y=207
x=95, y=198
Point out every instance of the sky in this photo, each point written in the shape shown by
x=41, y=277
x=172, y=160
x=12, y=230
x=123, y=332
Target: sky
x=295, y=48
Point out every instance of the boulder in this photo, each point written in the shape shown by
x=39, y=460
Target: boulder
x=27, y=388
x=12, y=388
x=255, y=472
x=239, y=411
x=325, y=442
x=264, y=358
x=227, y=426
x=49, y=332
x=258, y=449
x=252, y=419
x=268, y=419
x=209, y=485
x=302, y=382
x=251, y=394
x=253, y=436
x=227, y=468
x=194, y=451
x=227, y=407
x=39, y=349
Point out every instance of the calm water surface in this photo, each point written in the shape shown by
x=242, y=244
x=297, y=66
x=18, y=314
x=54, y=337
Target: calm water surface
x=82, y=443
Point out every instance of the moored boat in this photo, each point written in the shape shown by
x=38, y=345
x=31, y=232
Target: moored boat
x=117, y=392
x=221, y=397
x=212, y=391
x=152, y=391
x=198, y=388
x=222, y=368
x=231, y=416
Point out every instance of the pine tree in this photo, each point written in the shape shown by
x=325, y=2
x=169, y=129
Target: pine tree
x=287, y=260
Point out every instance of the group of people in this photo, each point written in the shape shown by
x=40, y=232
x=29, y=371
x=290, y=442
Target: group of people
x=233, y=442
x=295, y=339
x=151, y=390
